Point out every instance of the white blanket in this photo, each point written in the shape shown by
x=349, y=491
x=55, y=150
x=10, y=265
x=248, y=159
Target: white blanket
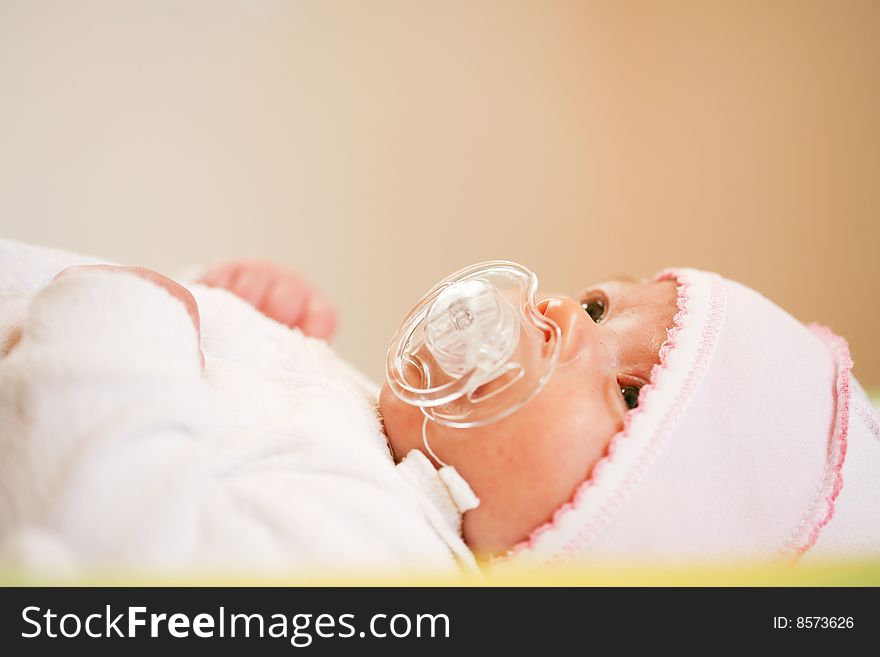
x=117, y=452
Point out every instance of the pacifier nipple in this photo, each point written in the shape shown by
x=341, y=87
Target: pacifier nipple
x=471, y=326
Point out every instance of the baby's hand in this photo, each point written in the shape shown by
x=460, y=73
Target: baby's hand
x=278, y=293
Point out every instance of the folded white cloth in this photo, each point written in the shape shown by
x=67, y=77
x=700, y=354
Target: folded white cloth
x=116, y=451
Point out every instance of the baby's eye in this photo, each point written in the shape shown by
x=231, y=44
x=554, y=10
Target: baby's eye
x=630, y=396
x=595, y=305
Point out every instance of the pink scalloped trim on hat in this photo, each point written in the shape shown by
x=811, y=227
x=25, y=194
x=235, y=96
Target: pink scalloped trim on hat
x=822, y=509
x=705, y=349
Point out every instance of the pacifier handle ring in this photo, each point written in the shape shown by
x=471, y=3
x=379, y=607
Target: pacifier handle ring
x=427, y=446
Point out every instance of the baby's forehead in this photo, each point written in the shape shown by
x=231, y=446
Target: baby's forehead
x=625, y=283
x=657, y=298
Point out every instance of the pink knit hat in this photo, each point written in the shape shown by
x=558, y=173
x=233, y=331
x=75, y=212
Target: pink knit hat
x=753, y=440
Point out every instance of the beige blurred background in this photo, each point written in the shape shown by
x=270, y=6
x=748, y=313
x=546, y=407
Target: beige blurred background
x=378, y=145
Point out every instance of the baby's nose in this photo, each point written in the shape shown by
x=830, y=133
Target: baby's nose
x=578, y=330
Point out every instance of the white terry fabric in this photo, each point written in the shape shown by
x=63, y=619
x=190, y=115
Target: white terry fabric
x=116, y=451
x=752, y=441
x=439, y=502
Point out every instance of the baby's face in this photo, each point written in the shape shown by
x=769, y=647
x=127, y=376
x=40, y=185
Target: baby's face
x=527, y=465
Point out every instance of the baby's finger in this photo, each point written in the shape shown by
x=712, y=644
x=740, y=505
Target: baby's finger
x=251, y=283
x=219, y=276
x=285, y=300
x=319, y=318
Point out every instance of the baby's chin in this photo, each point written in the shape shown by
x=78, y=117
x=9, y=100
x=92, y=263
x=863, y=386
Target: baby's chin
x=401, y=423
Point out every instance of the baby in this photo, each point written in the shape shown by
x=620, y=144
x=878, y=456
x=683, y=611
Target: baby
x=688, y=417
x=683, y=417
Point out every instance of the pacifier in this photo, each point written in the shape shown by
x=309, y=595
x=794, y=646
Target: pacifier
x=476, y=348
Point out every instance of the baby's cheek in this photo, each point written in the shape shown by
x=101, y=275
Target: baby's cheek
x=532, y=464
